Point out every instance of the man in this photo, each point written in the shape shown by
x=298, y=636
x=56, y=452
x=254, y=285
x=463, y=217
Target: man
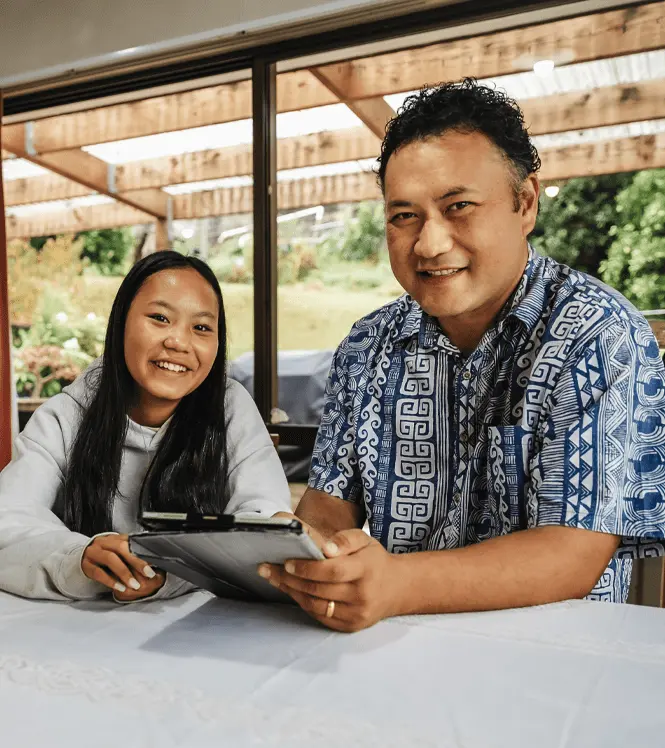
x=505, y=418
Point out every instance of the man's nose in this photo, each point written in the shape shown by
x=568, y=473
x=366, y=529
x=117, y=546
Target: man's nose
x=435, y=238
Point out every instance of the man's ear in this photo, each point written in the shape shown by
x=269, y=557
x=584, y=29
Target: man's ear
x=529, y=195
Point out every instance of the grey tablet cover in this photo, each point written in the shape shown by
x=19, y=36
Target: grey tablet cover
x=224, y=562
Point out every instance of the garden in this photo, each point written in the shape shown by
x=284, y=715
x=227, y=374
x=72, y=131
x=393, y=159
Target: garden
x=333, y=269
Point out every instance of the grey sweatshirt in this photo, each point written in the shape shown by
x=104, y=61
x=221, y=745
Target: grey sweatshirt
x=41, y=558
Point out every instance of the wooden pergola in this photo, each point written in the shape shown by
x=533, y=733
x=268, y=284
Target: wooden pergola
x=141, y=191
x=138, y=191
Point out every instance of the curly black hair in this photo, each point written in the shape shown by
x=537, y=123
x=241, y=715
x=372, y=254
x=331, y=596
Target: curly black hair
x=465, y=106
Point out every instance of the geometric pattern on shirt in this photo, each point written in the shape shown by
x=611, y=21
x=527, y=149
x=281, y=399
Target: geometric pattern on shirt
x=557, y=418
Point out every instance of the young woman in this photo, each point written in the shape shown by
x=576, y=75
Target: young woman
x=154, y=421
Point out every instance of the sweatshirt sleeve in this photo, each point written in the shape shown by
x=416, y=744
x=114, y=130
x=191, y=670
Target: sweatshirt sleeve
x=39, y=556
x=257, y=484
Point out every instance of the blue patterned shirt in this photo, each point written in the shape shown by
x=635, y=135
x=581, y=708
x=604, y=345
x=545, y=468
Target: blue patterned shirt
x=556, y=418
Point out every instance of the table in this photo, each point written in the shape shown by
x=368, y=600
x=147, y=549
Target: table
x=199, y=671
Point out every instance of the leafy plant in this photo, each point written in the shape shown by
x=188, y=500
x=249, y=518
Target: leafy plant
x=364, y=236
x=107, y=249
x=635, y=264
x=42, y=371
x=576, y=226
x=57, y=264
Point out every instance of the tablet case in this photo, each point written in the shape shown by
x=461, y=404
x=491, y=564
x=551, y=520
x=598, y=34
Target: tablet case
x=225, y=561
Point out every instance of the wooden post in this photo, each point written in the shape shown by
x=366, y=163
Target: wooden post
x=265, y=236
x=6, y=383
x=162, y=235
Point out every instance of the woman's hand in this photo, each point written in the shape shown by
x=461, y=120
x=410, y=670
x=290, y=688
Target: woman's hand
x=108, y=560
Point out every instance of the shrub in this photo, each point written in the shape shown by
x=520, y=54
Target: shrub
x=42, y=371
x=636, y=257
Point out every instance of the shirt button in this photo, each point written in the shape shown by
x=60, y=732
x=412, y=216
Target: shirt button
x=463, y=438
x=457, y=496
x=466, y=375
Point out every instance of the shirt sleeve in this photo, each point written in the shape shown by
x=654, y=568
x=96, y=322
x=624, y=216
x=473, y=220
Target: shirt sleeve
x=334, y=468
x=257, y=483
x=39, y=556
x=601, y=466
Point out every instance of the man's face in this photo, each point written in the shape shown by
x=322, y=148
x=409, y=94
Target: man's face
x=456, y=243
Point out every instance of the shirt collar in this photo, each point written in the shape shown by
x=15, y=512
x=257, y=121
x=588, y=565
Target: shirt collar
x=528, y=301
x=526, y=305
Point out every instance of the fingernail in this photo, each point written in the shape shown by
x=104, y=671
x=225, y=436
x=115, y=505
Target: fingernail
x=331, y=549
x=134, y=583
x=119, y=587
x=149, y=572
x=264, y=571
x=290, y=567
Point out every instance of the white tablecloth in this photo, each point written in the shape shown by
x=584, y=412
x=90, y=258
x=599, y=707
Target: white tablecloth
x=199, y=671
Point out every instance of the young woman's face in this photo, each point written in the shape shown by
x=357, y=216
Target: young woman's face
x=171, y=338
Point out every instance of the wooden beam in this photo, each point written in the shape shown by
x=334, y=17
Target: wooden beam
x=606, y=157
x=374, y=113
x=291, y=196
x=87, y=170
x=40, y=189
x=598, y=36
x=612, y=105
x=72, y=221
x=206, y=106
x=596, y=108
x=592, y=37
x=292, y=153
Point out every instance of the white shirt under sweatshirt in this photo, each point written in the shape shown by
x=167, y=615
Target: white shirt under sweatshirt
x=41, y=558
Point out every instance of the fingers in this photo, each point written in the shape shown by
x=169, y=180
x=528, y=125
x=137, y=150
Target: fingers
x=318, y=608
x=148, y=588
x=97, y=574
x=321, y=590
x=347, y=542
x=335, y=570
x=113, y=567
x=121, y=547
x=108, y=560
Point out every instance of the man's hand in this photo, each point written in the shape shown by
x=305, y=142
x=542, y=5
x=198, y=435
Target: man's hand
x=359, y=576
x=108, y=560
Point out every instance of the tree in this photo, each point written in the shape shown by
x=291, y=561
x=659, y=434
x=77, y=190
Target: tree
x=364, y=237
x=635, y=263
x=31, y=270
x=107, y=249
x=575, y=227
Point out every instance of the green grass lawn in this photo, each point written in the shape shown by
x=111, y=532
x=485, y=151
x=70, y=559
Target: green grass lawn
x=310, y=316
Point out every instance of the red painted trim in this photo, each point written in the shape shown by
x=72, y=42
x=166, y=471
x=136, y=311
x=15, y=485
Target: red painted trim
x=5, y=342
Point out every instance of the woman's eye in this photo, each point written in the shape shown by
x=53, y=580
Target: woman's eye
x=158, y=317
x=203, y=328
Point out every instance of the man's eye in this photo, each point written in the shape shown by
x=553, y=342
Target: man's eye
x=158, y=317
x=401, y=217
x=455, y=207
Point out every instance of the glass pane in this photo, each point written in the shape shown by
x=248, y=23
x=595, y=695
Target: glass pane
x=183, y=164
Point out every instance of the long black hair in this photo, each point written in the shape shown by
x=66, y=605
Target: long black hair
x=189, y=470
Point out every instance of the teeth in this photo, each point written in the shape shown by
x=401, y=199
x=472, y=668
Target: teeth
x=437, y=273
x=170, y=367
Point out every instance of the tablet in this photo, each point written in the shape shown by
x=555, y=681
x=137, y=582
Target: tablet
x=221, y=553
